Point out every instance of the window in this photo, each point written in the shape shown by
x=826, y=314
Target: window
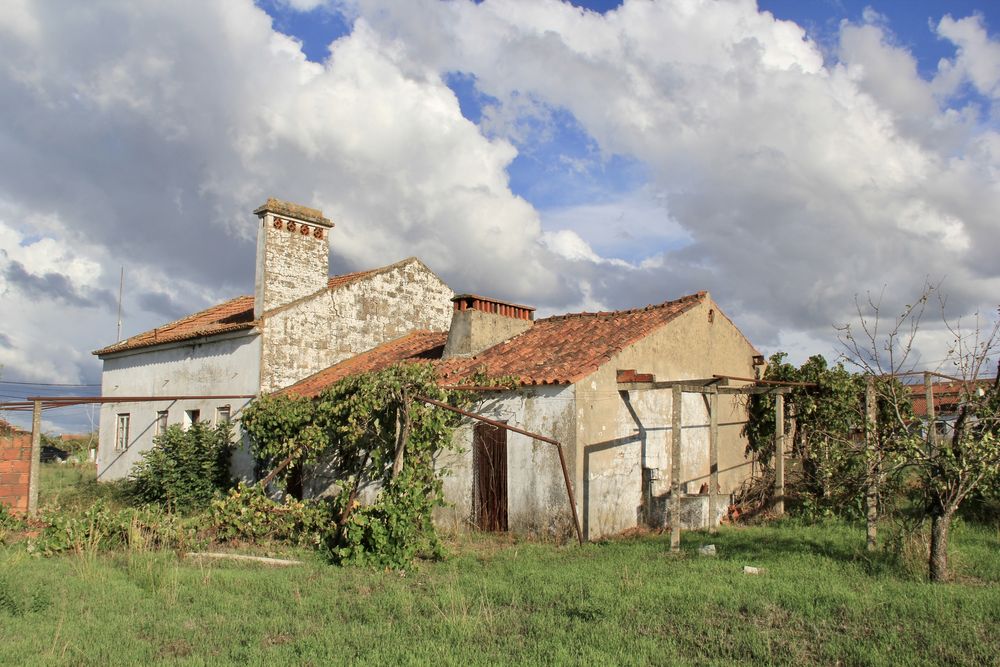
x=223, y=415
x=191, y=417
x=121, y=432
x=161, y=423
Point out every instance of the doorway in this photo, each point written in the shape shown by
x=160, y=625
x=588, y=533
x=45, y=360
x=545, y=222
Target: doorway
x=489, y=484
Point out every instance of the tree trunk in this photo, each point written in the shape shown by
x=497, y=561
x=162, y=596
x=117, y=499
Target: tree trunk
x=873, y=468
x=871, y=516
x=940, y=524
x=402, y=435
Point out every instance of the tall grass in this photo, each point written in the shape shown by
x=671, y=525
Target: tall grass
x=820, y=600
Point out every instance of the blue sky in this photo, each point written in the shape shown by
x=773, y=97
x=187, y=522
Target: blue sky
x=559, y=165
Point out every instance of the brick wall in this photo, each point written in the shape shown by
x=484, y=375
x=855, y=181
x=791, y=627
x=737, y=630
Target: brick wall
x=15, y=465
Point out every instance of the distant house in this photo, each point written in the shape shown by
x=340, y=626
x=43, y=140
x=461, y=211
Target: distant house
x=617, y=441
x=948, y=399
x=299, y=320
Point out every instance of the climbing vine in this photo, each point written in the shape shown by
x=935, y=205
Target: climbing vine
x=826, y=424
x=375, y=440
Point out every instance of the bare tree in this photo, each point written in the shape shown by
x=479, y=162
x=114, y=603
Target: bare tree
x=949, y=470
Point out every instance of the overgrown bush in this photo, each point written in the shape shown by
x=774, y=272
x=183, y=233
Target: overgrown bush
x=100, y=529
x=392, y=531
x=184, y=468
x=247, y=514
x=374, y=432
x=8, y=523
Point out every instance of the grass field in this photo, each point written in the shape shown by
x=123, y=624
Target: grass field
x=820, y=601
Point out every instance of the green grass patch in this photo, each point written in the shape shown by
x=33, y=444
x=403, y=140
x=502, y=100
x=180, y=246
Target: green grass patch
x=75, y=487
x=821, y=600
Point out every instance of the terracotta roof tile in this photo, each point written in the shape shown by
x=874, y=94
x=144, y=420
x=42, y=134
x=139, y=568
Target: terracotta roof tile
x=419, y=346
x=555, y=350
x=338, y=281
x=948, y=396
x=231, y=315
x=566, y=348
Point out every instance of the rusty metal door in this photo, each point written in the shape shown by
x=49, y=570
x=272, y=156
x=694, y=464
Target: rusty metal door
x=489, y=484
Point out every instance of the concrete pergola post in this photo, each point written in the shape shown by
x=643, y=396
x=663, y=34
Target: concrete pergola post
x=675, y=468
x=931, y=414
x=713, y=457
x=36, y=457
x=779, y=454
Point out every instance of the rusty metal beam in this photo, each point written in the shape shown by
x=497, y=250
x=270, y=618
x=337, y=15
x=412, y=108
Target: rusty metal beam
x=536, y=436
x=129, y=399
x=50, y=402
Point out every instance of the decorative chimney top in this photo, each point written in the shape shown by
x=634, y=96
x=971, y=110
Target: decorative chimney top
x=494, y=306
x=293, y=254
x=287, y=209
x=479, y=322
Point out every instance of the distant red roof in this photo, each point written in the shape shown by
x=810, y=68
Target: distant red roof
x=948, y=396
x=233, y=315
x=554, y=351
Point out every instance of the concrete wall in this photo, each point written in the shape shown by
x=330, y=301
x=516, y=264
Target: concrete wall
x=15, y=467
x=536, y=493
x=322, y=330
x=623, y=454
x=473, y=331
x=224, y=365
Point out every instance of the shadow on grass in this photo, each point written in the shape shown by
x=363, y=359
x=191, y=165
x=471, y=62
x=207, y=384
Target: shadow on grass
x=775, y=542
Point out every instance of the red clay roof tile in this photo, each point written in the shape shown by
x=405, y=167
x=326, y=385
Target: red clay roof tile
x=231, y=315
x=948, y=396
x=556, y=350
x=419, y=346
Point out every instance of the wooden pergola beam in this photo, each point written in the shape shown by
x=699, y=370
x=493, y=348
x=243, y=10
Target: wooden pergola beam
x=701, y=389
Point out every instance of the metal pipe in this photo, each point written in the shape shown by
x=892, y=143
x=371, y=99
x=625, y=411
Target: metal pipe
x=127, y=399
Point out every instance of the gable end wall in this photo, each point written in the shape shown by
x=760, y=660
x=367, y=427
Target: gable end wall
x=338, y=324
x=612, y=451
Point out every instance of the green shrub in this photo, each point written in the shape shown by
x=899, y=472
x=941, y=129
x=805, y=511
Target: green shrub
x=9, y=523
x=392, y=531
x=100, y=529
x=248, y=514
x=184, y=468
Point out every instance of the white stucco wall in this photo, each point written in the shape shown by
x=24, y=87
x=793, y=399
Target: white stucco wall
x=222, y=365
x=536, y=493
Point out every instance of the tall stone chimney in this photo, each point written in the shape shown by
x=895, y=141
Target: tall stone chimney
x=293, y=254
x=478, y=323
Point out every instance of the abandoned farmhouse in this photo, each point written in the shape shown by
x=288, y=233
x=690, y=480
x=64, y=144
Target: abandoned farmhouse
x=585, y=379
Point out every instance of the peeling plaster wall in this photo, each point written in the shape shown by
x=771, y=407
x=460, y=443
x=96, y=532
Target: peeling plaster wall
x=536, y=493
x=326, y=328
x=220, y=366
x=612, y=450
